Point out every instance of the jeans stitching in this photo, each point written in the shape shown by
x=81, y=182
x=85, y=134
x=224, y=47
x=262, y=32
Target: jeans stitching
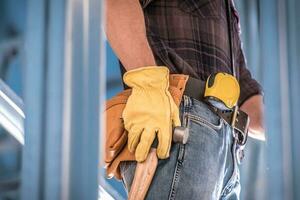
x=206, y=123
x=176, y=176
x=179, y=162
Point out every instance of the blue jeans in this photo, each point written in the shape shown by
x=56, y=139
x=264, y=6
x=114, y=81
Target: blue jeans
x=204, y=168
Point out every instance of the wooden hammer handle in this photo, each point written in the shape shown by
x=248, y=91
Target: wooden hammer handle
x=144, y=173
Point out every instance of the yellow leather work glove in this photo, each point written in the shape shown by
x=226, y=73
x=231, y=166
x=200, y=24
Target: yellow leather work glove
x=150, y=110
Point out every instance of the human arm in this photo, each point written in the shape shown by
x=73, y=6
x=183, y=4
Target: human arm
x=126, y=33
x=251, y=100
x=254, y=107
x=150, y=110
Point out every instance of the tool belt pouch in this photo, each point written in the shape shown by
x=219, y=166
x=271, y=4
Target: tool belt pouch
x=116, y=149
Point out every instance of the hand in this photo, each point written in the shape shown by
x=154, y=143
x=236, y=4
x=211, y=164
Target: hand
x=149, y=111
x=255, y=109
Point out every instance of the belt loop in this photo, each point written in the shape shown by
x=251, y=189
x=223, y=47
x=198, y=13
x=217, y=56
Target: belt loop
x=187, y=103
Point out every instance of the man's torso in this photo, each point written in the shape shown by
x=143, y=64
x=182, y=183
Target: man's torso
x=190, y=36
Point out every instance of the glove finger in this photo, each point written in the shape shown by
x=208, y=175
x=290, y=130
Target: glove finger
x=175, y=114
x=164, y=142
x=133, y=138
x=175, y=118
x=144, y=146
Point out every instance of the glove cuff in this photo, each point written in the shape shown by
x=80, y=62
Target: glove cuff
x=156, y=77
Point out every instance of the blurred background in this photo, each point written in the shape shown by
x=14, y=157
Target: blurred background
x=56, y=66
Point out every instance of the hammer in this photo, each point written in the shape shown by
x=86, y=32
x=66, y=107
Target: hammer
x=145, y=171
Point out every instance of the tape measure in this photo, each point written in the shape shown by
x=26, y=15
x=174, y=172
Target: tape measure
x=222, y=90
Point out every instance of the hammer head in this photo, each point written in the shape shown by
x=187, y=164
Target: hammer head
x=180, y=134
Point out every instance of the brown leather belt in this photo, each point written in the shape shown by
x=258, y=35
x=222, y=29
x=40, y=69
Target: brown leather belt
x=195, y=88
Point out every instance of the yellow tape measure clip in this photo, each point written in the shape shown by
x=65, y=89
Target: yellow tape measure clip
x=222, y=90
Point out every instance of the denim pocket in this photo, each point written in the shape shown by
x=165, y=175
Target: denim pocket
x=204, y=122
x=201, y=8
x=200, y=170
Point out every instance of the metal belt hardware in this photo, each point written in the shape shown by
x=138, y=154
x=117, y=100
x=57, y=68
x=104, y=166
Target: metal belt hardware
x=240, y=123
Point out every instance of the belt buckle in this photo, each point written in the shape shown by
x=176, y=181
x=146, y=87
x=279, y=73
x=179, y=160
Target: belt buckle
x=240, y=123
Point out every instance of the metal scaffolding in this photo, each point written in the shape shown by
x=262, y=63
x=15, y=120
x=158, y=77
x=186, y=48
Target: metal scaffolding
x=62, y=96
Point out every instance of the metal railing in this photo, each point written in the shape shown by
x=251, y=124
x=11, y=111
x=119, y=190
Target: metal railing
x=12, y=119
x=11, y=112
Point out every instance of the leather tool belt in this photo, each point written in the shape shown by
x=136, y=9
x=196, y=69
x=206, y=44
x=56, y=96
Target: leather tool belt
x=116, y=136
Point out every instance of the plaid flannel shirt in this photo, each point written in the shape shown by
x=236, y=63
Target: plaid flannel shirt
x=191, y=37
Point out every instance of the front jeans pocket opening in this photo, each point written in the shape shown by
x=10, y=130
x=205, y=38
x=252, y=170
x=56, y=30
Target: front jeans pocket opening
x=203, y=122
